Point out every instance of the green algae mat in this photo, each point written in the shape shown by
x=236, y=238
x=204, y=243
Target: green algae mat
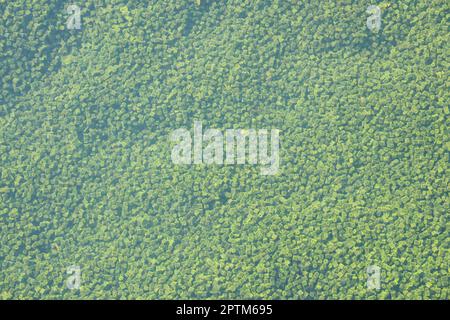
x=206, y=149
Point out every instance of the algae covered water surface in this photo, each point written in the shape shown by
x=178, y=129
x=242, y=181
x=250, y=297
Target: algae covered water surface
x=206, y=149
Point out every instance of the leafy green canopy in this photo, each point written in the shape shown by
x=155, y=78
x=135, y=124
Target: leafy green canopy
x=87, y=179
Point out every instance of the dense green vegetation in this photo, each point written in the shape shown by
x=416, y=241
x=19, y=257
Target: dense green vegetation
x=87, y=178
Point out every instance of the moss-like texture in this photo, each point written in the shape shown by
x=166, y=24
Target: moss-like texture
x=86, y=176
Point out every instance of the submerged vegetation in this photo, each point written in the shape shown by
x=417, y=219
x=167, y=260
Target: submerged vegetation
x=87, y=178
